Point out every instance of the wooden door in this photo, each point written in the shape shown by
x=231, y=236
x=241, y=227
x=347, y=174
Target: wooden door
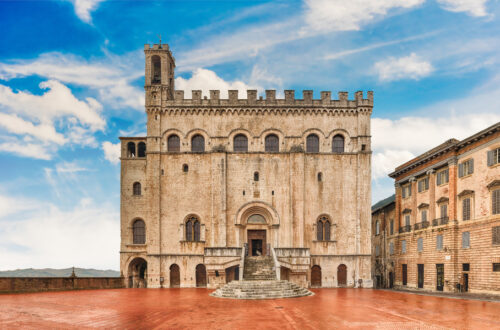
x=439, y=277
x=420, y=275
x=257, y=237
x=201, y=276
x=175, y=276
x=316, y=276
x=405, y=274
x=342, y=275
x=391, y=280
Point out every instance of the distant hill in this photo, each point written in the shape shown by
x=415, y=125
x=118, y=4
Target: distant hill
x=50, y=272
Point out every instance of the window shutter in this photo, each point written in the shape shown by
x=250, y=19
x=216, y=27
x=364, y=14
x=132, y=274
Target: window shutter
x=404, y=192
x=426, y=183
x=495, y=202
x=490, y=157
x=409, y=190
x=447, y=176
x=419, y=186
x=460, y=170
x=496, y=235
x=471, y=166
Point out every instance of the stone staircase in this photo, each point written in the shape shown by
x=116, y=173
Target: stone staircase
x=259, y=282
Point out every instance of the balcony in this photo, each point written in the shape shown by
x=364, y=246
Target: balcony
x=425, y=224
x=440, y=221
x=421, y=225
x=405, y=229
x=435, y=222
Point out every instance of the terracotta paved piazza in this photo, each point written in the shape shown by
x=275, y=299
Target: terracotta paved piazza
x=193, y=308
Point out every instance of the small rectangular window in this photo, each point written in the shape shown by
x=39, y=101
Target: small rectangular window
x=392, y=227
x=439, y=242
x=444, y=210
x=442, y=177
x=423, y=184
x=420, y=244
x=496, y=267
x=391, y=248
x=465, y=267
x=495, y=202
x=377, y=250
x=466, y=168
x=403, y=246
x=495, y=231
x=466, y=209
x=494, y=157
x=407, y=220
x=465, y=240
x=424, y=215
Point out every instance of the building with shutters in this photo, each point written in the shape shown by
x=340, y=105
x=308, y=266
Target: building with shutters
x=383, y=226
x=221, y=178
x=447, y=212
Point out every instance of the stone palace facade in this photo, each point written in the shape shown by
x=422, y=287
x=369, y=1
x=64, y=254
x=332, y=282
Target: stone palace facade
x=216, y=180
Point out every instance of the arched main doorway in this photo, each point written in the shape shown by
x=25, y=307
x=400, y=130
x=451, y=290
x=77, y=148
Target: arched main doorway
x=201, y=276
x=138, y=273
x=316, y=276
x=175, y=276
x=342, y=275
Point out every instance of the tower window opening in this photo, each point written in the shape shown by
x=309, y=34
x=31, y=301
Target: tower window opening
x=155, y=69
x=256, y=176
x=320, y=176
x=185, y=168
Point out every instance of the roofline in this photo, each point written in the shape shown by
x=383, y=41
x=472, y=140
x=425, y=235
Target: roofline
x=448, y=145
x=132, y=137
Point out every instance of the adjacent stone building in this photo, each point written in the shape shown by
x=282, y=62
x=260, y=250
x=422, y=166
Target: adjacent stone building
x=216, y=180
x=383, y=226
x=447, y=213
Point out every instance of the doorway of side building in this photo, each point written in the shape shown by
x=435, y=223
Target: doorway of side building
x=201, y=276
x=439, y=277
x=316, y=276
x=420, y=275
x=175, y=276
x=405, y=274
x=465, y=277
x=342, y=275
x=391, y=280
x=257, y=242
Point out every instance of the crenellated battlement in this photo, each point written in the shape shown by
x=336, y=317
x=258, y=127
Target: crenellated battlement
x=270, y=99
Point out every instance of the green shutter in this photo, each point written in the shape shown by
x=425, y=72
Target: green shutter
x=460, y=170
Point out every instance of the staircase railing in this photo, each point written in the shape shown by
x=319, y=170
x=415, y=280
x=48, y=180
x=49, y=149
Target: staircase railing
x=277, y=266
x=242, y=261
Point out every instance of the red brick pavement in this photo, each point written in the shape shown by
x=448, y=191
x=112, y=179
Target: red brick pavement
x=193, y=308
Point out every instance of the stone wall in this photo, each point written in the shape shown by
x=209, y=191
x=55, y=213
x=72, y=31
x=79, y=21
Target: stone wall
x=40, y=284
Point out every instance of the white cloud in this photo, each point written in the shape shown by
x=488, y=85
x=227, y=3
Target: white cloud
x=206, y=80
x=83, y=8
x=38, y=124
x=87, y=235
x=408, y=67
x=111, y=78
x=471, y=7
x=341, y=15
x=112, y=151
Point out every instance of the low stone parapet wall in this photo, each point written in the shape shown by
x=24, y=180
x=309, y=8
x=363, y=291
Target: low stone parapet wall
x=40, y=284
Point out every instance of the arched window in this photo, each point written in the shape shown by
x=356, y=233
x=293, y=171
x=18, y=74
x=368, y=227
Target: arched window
x=240, y=143
x=141, y=149
x=272, y=143
x=338, y=144
x=198, y=143
x=139, y=232
x=131, y=149
x=193, y=230
x=323, y=229
x=173, y=143
x=312, y=143
x=256, y=176
x=137, y=188
x=320, y=176
x=155, y=69
x=377, y=227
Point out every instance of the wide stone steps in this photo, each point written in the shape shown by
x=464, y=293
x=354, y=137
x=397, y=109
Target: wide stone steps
x=261, y=290
x=259, y=268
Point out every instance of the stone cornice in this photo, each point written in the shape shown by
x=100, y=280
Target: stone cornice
x=256, y=110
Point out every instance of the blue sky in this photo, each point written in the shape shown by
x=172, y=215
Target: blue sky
x=71, y=77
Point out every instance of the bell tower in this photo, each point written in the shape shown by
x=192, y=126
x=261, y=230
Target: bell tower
x=159, y=75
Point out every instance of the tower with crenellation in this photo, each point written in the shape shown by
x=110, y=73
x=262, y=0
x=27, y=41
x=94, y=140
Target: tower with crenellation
x=217, y=181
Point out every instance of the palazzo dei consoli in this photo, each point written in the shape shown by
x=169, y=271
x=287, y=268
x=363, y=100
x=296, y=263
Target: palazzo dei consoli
x=218, y=180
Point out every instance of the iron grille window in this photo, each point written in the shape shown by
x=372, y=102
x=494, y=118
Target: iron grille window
x=495, y=233
x=141, y=149
x=173, y=143
x=442, y=177
x=198, y=143
x=466, y=168
x=407, y=220
x=493, y=157
x=391, y=248
x=439, y=242
x=423, y=184
x=338, y=144
x=403, y=246
x=495, y=201
x=272, y=143
x=139, y=232
x=392, y=227
x=323, y=229
x=312, y=143
x=193, y=229
x=466, y=209
x=137, y=189
x=420, y=244
x=465, y=240
x=240, y=143
x=496, y=267
x=424, y=215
